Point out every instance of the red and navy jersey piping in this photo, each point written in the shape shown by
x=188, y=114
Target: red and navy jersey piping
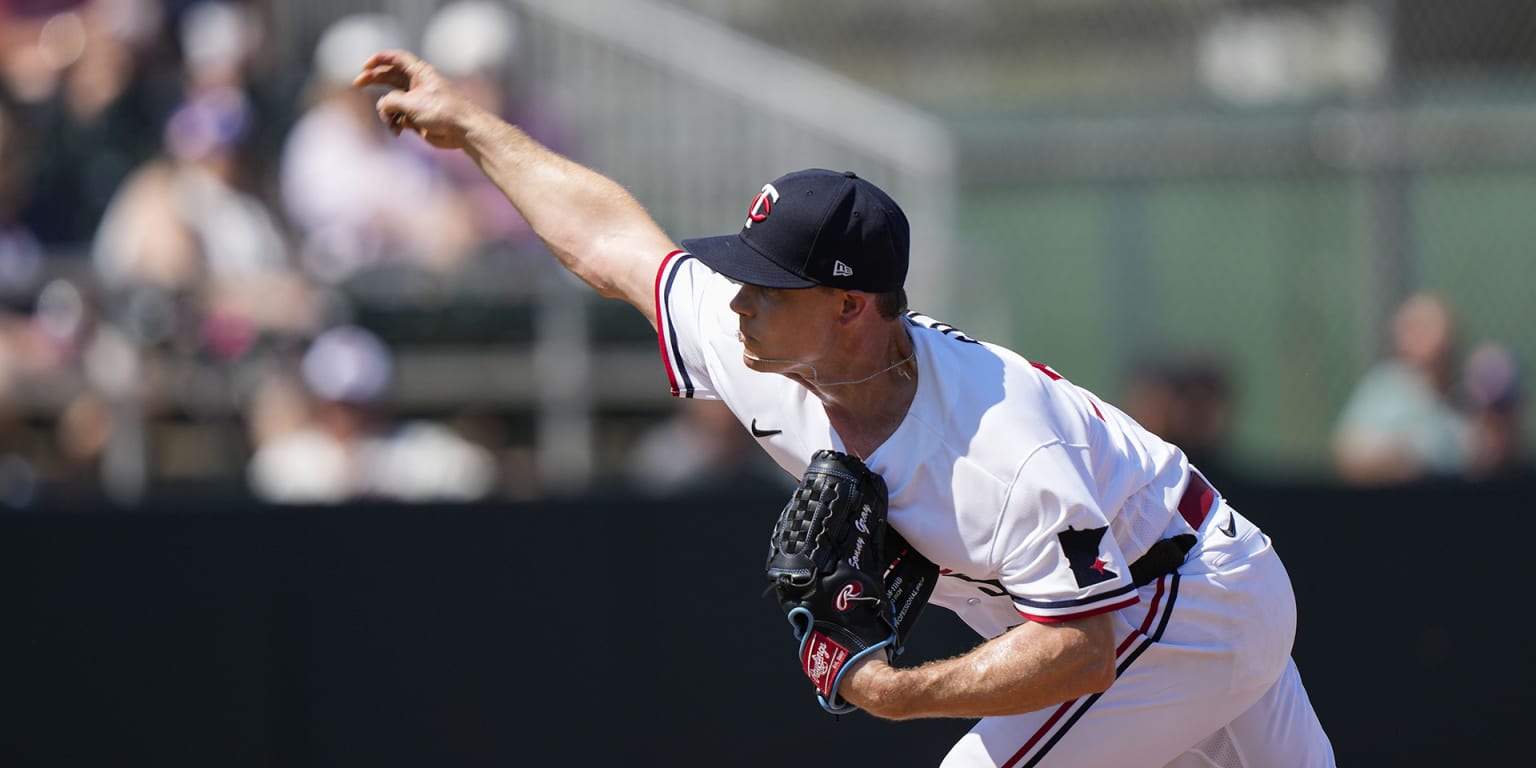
x=666, y=331
x=1159, y=612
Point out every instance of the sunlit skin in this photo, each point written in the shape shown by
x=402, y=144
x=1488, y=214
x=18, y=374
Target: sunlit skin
x=783, y=331
x=1026, y=668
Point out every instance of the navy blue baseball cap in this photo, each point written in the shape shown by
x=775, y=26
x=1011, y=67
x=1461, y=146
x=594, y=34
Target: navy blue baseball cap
x=815, y=227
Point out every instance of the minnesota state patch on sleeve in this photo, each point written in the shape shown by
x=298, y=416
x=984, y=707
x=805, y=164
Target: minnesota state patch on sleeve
x=1081, y=548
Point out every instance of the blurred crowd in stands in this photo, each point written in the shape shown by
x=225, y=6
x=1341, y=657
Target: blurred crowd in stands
x=181, y=212
x=185, y=223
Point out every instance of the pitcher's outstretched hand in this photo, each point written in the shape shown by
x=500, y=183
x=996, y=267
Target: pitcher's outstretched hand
x=419, y=98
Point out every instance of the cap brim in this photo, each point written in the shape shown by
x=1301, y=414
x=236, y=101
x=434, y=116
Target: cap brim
x=731, y=256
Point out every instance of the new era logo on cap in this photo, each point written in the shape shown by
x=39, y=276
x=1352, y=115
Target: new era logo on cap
x=815, y=227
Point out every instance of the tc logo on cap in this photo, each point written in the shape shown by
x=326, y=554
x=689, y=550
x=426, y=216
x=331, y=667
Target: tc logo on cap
x=762, y=205
x=829, y=228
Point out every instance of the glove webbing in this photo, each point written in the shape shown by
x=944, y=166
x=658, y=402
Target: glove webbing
x=800, y=536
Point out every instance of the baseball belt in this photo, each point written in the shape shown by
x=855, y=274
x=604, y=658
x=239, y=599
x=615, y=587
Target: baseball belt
x=1167, y=555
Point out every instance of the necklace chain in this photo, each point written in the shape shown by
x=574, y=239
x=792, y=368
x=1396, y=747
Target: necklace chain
x=896, y=364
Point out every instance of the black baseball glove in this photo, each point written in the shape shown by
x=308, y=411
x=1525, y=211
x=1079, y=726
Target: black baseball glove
x=849, y=583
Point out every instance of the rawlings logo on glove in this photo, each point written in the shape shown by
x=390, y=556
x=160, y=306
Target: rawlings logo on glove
x=849, y=584
x=849, y=592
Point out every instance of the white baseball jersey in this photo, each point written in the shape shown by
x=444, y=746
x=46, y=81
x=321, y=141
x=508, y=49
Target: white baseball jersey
x=1033, y=497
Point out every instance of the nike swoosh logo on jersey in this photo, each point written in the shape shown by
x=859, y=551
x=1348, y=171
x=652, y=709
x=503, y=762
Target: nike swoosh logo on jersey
x=1231, y=528
x=763, y=432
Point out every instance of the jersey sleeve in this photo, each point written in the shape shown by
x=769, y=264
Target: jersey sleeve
x=1057, y=557
x=692, y=308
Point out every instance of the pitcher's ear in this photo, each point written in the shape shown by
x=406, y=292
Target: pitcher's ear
x=855, y=303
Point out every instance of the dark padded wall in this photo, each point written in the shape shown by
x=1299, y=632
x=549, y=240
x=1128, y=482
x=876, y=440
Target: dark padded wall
x=589, y=631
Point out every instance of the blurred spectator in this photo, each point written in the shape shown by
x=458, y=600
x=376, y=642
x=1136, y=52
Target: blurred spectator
x=517, y=466
x=476, y=44
x=218, y=41
x=294, y=459
x=341, y=173
x=1491, y=388
x=62, y=354
x=1202, y=414
x=1186, y=400
x=91, y=88
x=1148, y=395
x=183, y=217
x=1401, y=423
x=18, y=472
x=224, y=44
x=21, y=255
x=328, y=437
x=84, y=432
x=184, y=227
x=702, y=447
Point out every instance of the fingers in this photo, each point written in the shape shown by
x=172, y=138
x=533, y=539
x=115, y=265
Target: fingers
x=394, y=68
x=403, y=60
x=382, y=75
x=394, y=112
x=400, y=71
x=418, y=99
